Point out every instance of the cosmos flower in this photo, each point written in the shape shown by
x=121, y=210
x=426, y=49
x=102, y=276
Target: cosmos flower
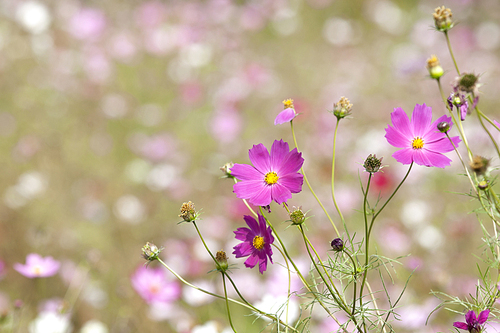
x=153, y=286
x=256, y=243
x=288, y=114
x=38, y=266
x=274, y=176
x=422, y=143
x=473, y=324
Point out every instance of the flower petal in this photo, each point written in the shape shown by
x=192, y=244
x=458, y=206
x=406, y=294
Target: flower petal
x=252, y=223
x=396, y=138
x=421, y=118
x=262, y=261
x=404, y=156
x=243, y=249
x=259, y=156
x=292, y=162
x=430, y=158
x=483, y=316
x=252, y=260
x=280, y=193
x=244, y=234
x=285, y=116
x=279, y=151
x=462, y=326
x=246, y=172
x=292, y=181
x=470, y=317
x=256, y=192
x=401, y=123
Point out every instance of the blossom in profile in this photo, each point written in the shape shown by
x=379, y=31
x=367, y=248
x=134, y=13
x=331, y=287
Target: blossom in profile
x=419, y=137
x=256, y=244
x=288, y=114
x=153, y=286
x=38, y=266
x=274, y=176
x=472, y=323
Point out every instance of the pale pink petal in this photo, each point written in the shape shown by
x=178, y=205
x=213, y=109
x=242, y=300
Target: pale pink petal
x=404, y=156
x=279, y=151
x=259, y=156
x=430, y=159
x=248, y=189
x=402, y=123
x=285, y=116
x=420, y=119
x=396, y=138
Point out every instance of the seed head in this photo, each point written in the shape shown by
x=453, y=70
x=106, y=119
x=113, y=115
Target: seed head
x=188, y=213
x=221, y=259
x=443, y=18
x=372, y=164
x=342, y=109
x=479, y=164
x=150, y=251
x=468, y=82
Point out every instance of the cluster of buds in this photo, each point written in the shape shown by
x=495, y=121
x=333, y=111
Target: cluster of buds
x=373, y=164
x=443, y=18
x=188, y=213
x=342, y=109
x=150, y=251
x=434, y=67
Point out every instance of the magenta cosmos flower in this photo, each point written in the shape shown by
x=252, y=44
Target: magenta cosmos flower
x=473, y=324
x=422, y=143
x=153, y=286
x=256, y=243
x=38, y=266
x=273, y=177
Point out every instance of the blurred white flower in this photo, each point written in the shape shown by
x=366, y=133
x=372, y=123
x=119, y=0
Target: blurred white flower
x=33, y=16
x=277, y=305
x=50, y=322
x=129, y=209
x=94, y=326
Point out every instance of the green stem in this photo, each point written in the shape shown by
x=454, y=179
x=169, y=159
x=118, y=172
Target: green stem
x=289, y=282
x=205, y=244
x=451, y=52
x=367, y=240
x=486, y=129
x=310, y=187
x=227, y=303
x=333, y=170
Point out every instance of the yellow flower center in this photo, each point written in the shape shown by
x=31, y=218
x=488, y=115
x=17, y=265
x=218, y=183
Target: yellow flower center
x=258, y=242
x=288, y=103
x=417, y=143
x=271, y=178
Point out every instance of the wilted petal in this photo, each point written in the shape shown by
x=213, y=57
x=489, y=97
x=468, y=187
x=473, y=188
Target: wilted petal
x=285, y=116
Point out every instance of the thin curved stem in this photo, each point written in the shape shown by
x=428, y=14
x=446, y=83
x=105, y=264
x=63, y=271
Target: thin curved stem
x=333, y=170
x=227, y=303
x=451, y=52
x=289, y=282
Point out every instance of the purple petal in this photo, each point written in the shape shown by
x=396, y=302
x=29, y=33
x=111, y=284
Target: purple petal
x=483, y=316
x=462, y=326
x=244, y=234
x=463, y=110
x=262, y=226
x=285, y=116
x=420, y=119
x=292, y=163
x=442, y=146
x=243, y=249
x=401, y=123
x=470, y=317
x=252, y=223
x=246, y=172
x=496, y=123
x=293, y=182
x=279, y=151
x=430, y=158
x=262, y=261
x=259, y=156
x=252, y=260
x=280, y=193
x=404, y=156
x=474, y=103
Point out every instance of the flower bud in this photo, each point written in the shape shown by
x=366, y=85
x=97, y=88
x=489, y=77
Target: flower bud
x=443, y=126
x=443, y=18
x=372, y=164
x=337, y=244
x=297, y=216
x=483, y=185
x=188, y=213
x=479, y=164
x=435, y=69
x=226, y=169
x=342, y=109
x=150, y=251
x=221, y=259
x=468, y=82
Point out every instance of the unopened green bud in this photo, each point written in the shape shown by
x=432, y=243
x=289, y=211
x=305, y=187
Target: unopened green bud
x=150, y=251
x=435, y=69
x=221, y=259
x=297, y=217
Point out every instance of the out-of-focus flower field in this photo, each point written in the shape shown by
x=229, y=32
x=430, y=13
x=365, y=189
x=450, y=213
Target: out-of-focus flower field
x=114, y=113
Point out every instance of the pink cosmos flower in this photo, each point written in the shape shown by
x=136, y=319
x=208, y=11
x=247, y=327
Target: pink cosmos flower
x=38, y=266
x=422, y=143
x=473, y=323
x=273, y=177
x=288, y=114
x=256, y=243
x=153, y=286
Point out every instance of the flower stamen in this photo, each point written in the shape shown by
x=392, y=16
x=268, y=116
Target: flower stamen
x=258, y=242
x=271, y=178
x=417, y=143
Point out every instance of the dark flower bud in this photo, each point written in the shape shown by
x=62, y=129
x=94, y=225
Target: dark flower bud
x=297, y=216
x=443, y=127
x=467, y=82
x=150, y=251
x=221, y=259
x=188, y=213
x=226, y=169
x=483, y=185
x=479, y=164
x=342, y=109
x=442, y=18
x=337, y=244
x=372, y=164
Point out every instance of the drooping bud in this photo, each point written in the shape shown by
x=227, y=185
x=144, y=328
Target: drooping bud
x=221, y=259
x=372, y=164
x=150, y=251
x=468, y=82
x=443, y=126
x=479, y=164
x=483, y=185
x=226, y=169
x=297, y=216
x=435, y=69
x=337, y=245
x=188, y=213
x=342, y=109
x=443, y=18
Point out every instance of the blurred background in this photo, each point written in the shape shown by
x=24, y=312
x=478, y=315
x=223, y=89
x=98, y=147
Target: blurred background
x=112, y=114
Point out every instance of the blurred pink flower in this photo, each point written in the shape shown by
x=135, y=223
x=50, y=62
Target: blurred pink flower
x=37, y=266
x=150, y=14
x=226, y=125
x=88, y=24
x=153, y=286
